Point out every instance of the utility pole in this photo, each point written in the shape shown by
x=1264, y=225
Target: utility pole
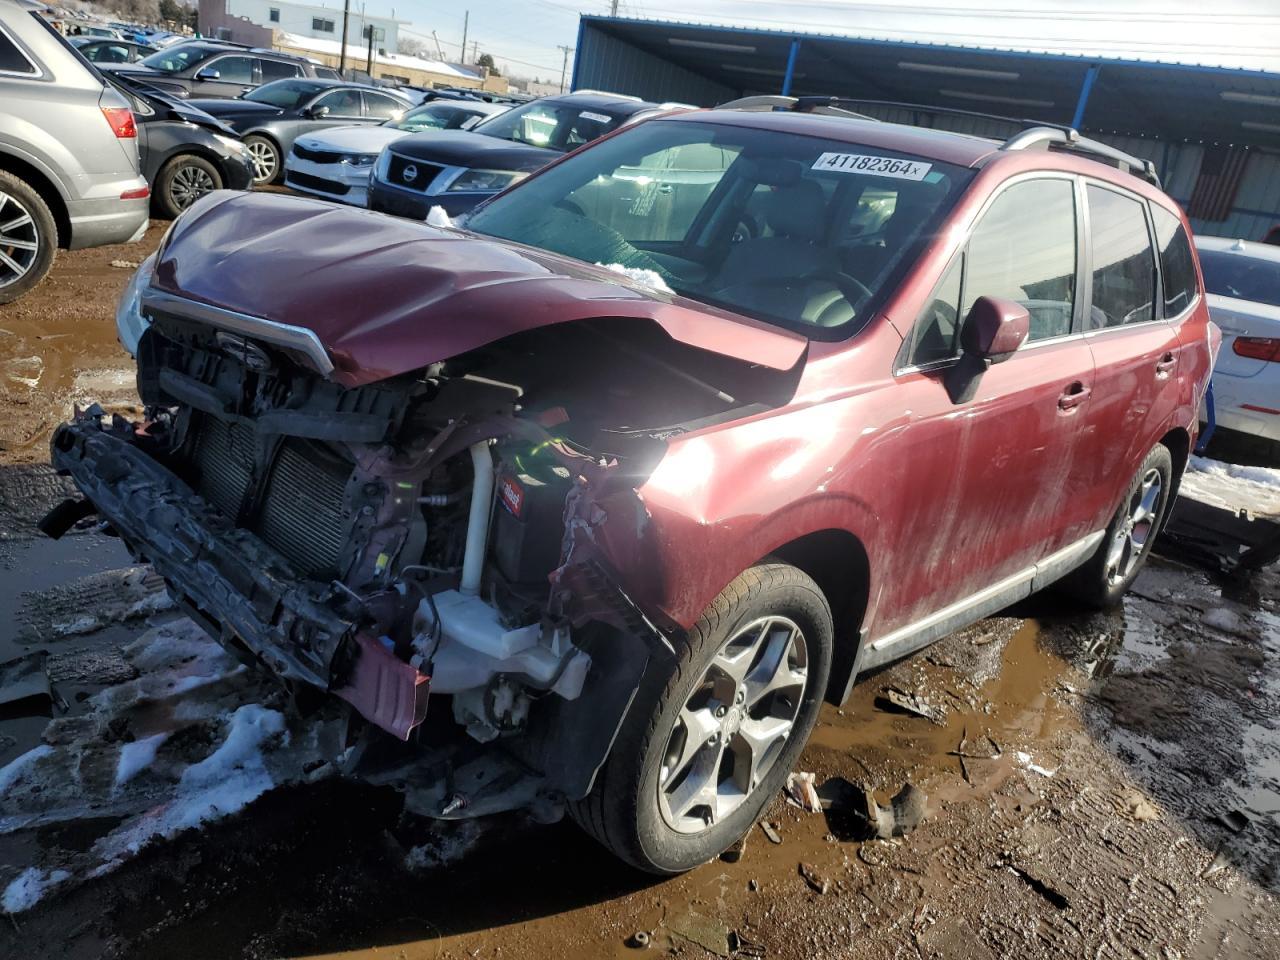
x=475, y=51
x=466, y=22
x=613, y=8
x=369, y=62
x=564, y=68
x=346, y=15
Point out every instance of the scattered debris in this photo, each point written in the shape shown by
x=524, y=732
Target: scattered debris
x=801, y=792
x=1226, y=620
x=640, y=940
x=817, y=883
x=125, y=264
x=737, y=851
x=1024, y=759
x=710, y=935
x=748, y=949
x=1054, y=897
x=1138, y=808
x=894, y=700
x=770, y=831
x=1219, y=863
x=1237, y=821
x=753, y=885
x=25, y=689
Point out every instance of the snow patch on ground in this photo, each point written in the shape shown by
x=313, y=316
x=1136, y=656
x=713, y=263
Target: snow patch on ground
x=29, y=886
x=137, y=756
x=1255, y=490
x=648, y=278
x=17, y=767
x=453, y=841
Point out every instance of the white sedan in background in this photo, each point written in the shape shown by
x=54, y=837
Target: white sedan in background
x=335, y=163
x=1242, y=280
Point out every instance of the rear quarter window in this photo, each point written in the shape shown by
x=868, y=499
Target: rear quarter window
x=1177, y=265
x=13, y=60
x=1124, y=270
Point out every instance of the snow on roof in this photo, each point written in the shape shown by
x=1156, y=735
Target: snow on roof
x=356, y=52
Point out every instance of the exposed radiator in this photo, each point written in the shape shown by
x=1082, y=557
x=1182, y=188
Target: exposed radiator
x=301, y=509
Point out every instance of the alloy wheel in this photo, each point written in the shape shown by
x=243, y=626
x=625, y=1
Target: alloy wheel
x=189, y=184
x=263, y=157
x=19, y=240
x=1136, y=529
x=734, y=725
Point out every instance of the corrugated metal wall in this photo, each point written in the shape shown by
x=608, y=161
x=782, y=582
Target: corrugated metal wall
x=606, y=63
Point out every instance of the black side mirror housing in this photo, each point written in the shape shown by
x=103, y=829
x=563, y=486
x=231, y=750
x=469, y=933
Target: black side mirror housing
x=992, y=332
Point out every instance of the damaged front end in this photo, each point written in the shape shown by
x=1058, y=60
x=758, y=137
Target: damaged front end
x=432, y=533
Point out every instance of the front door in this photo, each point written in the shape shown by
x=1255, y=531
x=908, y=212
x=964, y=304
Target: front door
x=991, y=484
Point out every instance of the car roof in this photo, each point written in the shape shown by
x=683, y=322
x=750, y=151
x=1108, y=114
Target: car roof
x=614, y=104
x=326, y=83
x=1246, y=248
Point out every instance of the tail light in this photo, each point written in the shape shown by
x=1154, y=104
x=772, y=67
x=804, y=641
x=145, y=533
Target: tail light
x=1257, y=348
x=121, y=120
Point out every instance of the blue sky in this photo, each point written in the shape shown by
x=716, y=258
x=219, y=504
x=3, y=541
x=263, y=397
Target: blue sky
x=1222, y=32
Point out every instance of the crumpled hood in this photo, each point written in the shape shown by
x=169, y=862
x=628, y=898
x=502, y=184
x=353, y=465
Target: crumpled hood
x=386, y=296
x=354, y=139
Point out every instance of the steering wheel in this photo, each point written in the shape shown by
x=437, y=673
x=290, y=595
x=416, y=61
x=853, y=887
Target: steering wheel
x=851, y=288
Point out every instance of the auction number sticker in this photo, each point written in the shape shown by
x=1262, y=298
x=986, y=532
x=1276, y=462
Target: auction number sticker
x=597, y=117
x=876, y=166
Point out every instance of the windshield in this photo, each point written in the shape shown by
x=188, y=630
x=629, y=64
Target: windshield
x=284, y=93
x=1241, y=276
x=544, y=123
x=434, y=116
x=173, y=59
x=799, y=231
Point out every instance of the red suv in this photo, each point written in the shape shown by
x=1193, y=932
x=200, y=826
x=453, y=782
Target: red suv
x=665, y=446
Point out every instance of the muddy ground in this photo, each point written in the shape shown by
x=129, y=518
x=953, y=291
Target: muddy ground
x=1102, y=785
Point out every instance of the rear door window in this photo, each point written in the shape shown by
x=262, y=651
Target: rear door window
x=233, y=69
x=13, y=60
x=1177, y=266
x=341, y=103
x=278, y=70
x=1124, y=270
x=382, y=108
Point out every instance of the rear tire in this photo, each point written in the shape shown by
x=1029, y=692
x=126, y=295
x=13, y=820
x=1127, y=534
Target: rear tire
x=1103, y=581
x=749, y=679
x=268, y=165
x=182, y=181
x=28, y=238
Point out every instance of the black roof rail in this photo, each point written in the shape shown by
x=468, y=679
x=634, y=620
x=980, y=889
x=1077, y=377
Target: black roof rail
x=1069, y=140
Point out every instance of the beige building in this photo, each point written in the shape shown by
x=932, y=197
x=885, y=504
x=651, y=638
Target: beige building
x=392, y=66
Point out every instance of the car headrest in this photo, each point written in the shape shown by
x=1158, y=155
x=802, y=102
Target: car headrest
x=798, y=210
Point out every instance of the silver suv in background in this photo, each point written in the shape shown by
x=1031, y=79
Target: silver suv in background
x=68, y=154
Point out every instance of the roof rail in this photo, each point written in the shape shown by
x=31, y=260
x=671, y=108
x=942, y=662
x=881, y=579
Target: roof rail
x=771, y=102
x=1070, y=141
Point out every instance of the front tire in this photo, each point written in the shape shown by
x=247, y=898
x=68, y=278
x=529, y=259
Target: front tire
x=267, y=165
x=28, y=238
x=1103, y=581
x=183, y=181
x=708, y=743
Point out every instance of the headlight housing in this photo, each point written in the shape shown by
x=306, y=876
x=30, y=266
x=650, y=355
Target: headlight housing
x=360, y=159
x=484, y=181
x=130, y=323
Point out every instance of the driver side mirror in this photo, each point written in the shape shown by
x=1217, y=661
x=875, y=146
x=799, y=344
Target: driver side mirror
x=992, y=332
x=208, y=73
x=318, y=113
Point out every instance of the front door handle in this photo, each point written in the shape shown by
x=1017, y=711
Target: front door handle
x=1166, y=365
x=1073, y=396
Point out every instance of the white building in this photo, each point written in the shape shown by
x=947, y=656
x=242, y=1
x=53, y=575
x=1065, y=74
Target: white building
x=320, y=21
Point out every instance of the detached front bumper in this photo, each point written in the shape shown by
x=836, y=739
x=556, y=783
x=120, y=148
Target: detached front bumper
x=230, y=582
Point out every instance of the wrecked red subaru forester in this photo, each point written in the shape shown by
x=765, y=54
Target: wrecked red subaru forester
x=590, y=502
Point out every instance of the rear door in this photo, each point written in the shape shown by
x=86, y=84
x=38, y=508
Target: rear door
x=996, y=478
x=1136, y=349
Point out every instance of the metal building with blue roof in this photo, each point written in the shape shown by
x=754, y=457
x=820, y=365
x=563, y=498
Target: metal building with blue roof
x=1213, y=132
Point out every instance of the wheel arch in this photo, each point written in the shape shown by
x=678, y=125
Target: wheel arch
x=1178, y=442
x=839, y=564
x=41, y=184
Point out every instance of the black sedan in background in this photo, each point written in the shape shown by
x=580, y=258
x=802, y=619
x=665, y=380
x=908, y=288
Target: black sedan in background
x=103, y=50
x=184, y=152
x=456, y=170
x=271, y=117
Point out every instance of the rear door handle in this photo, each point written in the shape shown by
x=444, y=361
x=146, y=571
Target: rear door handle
x=1166, y=365
x=1073, y=396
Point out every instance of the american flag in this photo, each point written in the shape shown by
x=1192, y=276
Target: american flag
x=1221, y=170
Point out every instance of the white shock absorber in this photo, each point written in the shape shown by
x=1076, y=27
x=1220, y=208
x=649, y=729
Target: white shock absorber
x=478, y=521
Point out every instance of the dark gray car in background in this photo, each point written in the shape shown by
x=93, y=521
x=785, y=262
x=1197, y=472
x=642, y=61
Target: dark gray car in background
x=217, y=68
x=68, y=154
x=271, y=117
